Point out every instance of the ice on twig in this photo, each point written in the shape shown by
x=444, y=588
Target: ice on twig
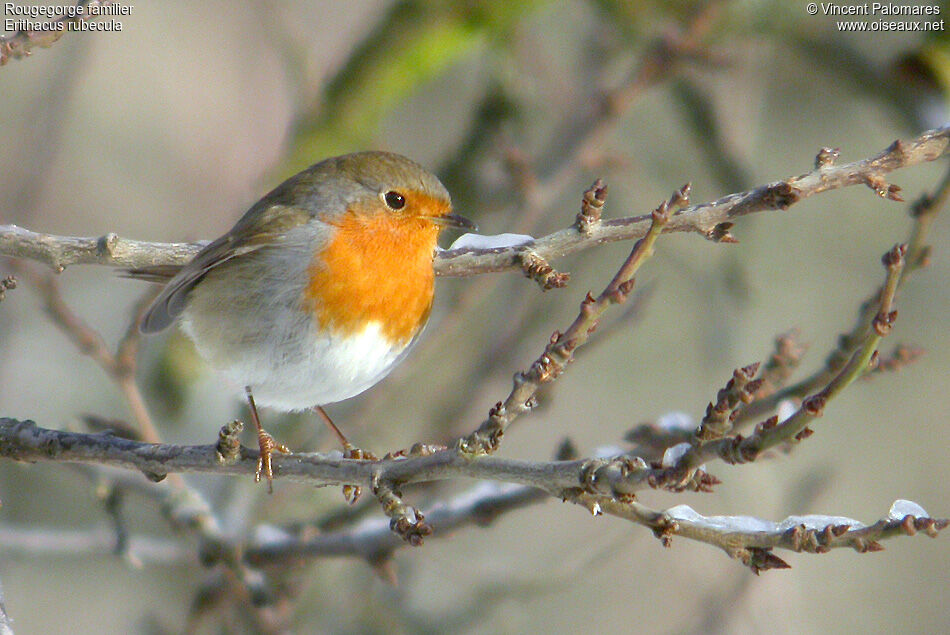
x=479, y=493
x=483, y=241
x=675, y=453
x=267, y=534
x=749, y=524
x=786, y=408
x=608, y=451
x=902, y=508
x=818, y=522
x=675, y=421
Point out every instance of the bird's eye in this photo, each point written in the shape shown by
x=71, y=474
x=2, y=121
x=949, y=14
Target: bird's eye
x=394, y=200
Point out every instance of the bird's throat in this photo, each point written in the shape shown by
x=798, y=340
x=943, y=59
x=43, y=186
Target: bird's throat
x=376, y=268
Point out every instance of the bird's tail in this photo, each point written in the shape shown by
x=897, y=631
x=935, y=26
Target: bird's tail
x=159, y=274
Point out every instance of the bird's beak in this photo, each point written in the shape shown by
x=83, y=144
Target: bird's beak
x=456, y=221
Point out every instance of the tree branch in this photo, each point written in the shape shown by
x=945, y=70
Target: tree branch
x=599, y=484
x=560, y=350
x=707, y=219
x=747, y=539
x=39, y=541
x=373, y=538
x=602, y=485
x=26, y=441
x=5, y=621
x=751, y=540
x=21, y=44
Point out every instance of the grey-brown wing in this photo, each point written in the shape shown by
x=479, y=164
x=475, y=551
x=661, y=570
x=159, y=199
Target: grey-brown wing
x=160, y=274
x=261, y=226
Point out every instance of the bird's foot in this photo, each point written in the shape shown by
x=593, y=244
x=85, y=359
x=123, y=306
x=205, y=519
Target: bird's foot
x=268, y=446
x=352, y=493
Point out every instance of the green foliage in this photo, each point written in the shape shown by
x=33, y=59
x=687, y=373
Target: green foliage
x=415, y=42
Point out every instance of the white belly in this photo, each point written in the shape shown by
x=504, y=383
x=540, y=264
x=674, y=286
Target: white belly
x=248, y=323
x=297, y=375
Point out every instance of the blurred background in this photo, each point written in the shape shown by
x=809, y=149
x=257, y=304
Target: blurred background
x=171, y=128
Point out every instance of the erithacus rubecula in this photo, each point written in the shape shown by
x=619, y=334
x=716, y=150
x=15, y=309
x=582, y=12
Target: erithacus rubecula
x=320, y=289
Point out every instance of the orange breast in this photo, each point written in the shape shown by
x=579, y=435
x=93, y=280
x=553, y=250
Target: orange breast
x=377, y=268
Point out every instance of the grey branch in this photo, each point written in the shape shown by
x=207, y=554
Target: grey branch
x=751, y=540
x=374, y=540
x=26, y=441
x=600, y=485
x=21, y=44
x=5, y=622
x=709, y=219
x=371, y=539
x=40, y=541
x=523, y=483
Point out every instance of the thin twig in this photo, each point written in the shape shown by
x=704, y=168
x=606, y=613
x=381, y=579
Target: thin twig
x=770, y=433
x=21, y=44
x=41, y=541
x=61, y=251
x=560, y=350
x=5, y=622
x=183, y=505
x=119, y=366
x=620, y=478
x=752, y=540
x=373, y=540
x=599, y=484
x=923, y=212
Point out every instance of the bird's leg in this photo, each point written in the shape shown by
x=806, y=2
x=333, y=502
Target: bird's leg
x=350, y=492
x=266, y=443
x=350, y=451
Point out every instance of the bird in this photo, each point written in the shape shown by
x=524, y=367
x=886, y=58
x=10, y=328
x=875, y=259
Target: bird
x=318, y=291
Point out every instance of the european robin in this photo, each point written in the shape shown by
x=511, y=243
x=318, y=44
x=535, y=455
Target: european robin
x=319, y=290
